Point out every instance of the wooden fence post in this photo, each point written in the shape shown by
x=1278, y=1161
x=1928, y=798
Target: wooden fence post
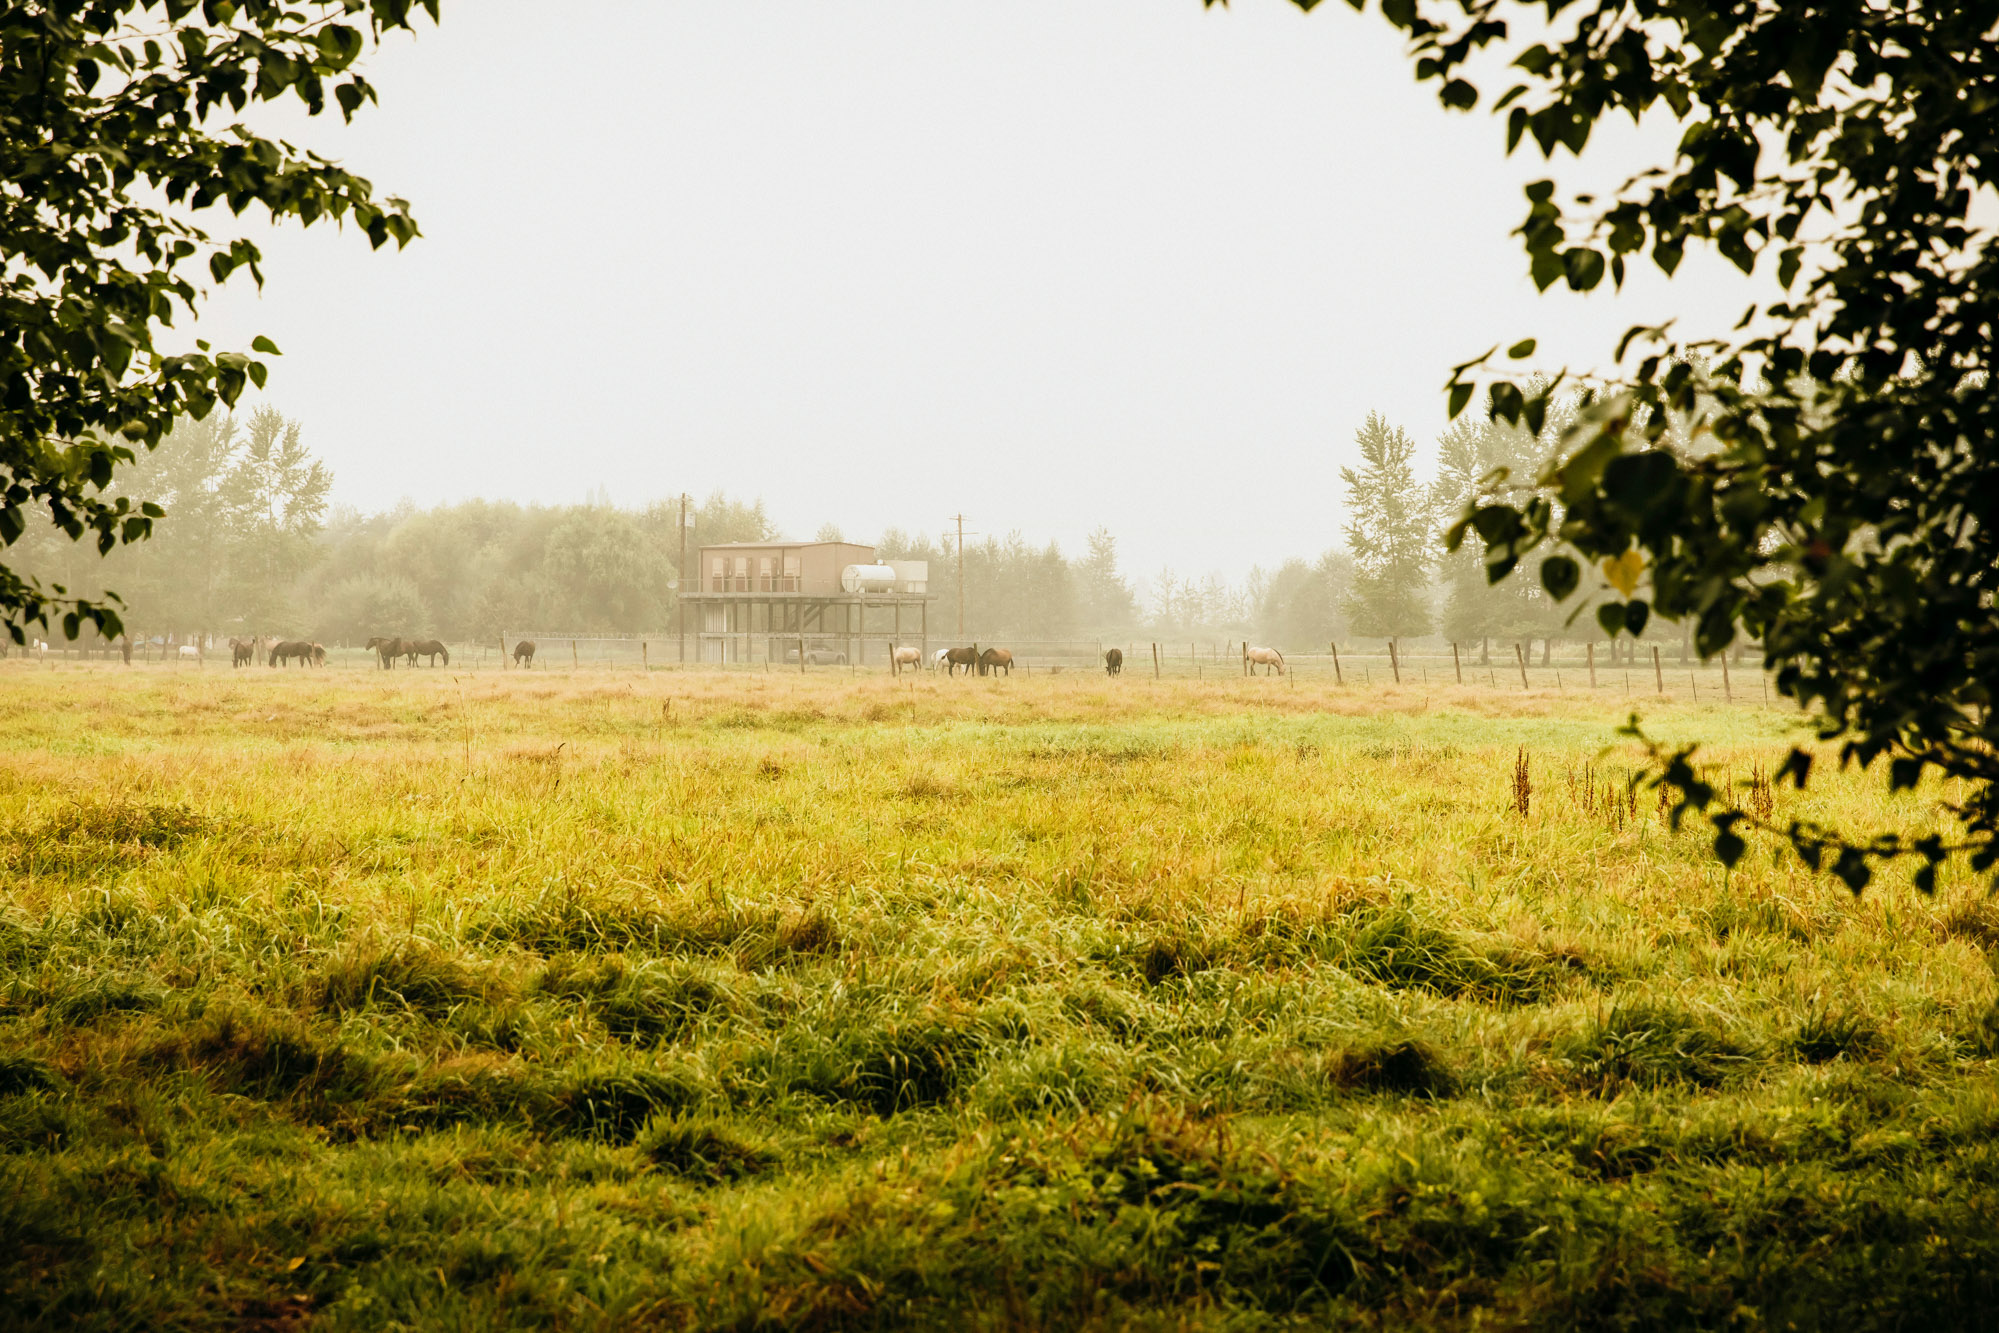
x=1245, y=657
x=574, y=660
x=1456, y=665
x=503, y=650
x=1658, y=676
x=1155, y=661
x=1591, y=646
x=1338, y=678
x=645, y=662
x=1727, y=689
x=1394, y=663
x=1521, y=658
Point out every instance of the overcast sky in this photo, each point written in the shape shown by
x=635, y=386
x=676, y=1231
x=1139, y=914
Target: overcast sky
x=1051, y=263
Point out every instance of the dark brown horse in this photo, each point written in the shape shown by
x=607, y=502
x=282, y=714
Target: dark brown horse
x=1113, y=661
x=243, y=652
x=967, y=658
x=995, y=659
x=524, y=653
x=431, y=648
x=292, y=650
x=387, y=649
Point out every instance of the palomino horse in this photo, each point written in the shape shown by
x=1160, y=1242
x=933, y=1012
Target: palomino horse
x=898, y=658
x=431, y=648
x=1267, y=658
x=524, y=653
x=386, y=649
x=290, y=650
x=1113, y=661
x=995, y=659
x=967, y=658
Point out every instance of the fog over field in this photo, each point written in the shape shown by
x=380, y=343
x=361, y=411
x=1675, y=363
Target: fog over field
x=1052, y=265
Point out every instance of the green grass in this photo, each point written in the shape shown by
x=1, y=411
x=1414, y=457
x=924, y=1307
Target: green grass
x=732, y=1001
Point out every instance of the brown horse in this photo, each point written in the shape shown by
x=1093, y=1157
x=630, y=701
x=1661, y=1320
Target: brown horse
x=319, y=654
x=387, y=649
x=292, y=649
x=524, y=653
x=1113, y=661
x=431, y=648
x=993, y=660
x=243, y=652
x=967, y=658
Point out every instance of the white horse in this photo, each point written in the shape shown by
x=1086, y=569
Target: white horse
x=40, y=649
x=905, y=656
x=937, y=659
x=190, y=652
x=1267, y=658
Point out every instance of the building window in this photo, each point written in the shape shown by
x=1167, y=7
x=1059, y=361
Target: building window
x=717, y=567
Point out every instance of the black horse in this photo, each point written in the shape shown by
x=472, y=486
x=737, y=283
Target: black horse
x=292, y=650
x=1113, y=661
x=387, y=649
x=967, y=658
x=524, y=653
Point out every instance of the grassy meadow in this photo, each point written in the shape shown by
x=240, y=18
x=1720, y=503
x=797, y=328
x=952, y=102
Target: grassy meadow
x=729, y=1000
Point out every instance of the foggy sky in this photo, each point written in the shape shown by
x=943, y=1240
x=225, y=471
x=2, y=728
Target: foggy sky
x=1051, y=263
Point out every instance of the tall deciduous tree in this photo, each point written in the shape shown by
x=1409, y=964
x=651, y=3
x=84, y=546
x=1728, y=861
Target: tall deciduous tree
x=1847, y=515
x=1390, y=534
x=119, y=127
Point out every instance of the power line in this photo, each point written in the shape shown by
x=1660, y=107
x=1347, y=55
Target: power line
x=959, y=519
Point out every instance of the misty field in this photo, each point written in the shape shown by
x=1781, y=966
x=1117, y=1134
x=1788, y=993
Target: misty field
x=730, y=1000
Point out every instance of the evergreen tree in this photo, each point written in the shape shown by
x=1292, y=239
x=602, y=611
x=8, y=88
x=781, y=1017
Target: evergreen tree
x=1106, y=603
x=1390, y=535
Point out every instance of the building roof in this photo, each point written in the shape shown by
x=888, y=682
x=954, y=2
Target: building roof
x=779, y=541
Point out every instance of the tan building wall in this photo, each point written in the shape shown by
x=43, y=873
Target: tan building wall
x=799, y=567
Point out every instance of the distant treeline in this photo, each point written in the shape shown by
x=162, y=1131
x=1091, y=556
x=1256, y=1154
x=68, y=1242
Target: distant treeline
x=249, y=547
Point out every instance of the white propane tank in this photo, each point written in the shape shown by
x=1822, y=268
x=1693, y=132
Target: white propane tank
x=868, y=578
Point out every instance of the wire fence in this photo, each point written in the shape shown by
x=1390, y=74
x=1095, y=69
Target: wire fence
x=1570, y=670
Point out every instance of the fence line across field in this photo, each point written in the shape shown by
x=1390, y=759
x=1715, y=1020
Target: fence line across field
x=1577, y=669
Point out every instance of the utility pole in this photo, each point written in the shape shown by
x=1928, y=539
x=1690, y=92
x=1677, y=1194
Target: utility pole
x=959, y=519
x=686, y=585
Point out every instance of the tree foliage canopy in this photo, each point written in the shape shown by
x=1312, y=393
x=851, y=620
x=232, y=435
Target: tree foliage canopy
x=118, y=128
x=1844, y=515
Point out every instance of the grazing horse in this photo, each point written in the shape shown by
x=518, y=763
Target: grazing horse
x=993, y=660
x=967, y=658
x=387, y=649
x=937, y=659
x=290, y=650
x=524, y=653
x=319, y=654
x=431, y=648
x=242, y=652
x=1113, y=661
x=189, y=652
x=1267, y=658
x=899, y=658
